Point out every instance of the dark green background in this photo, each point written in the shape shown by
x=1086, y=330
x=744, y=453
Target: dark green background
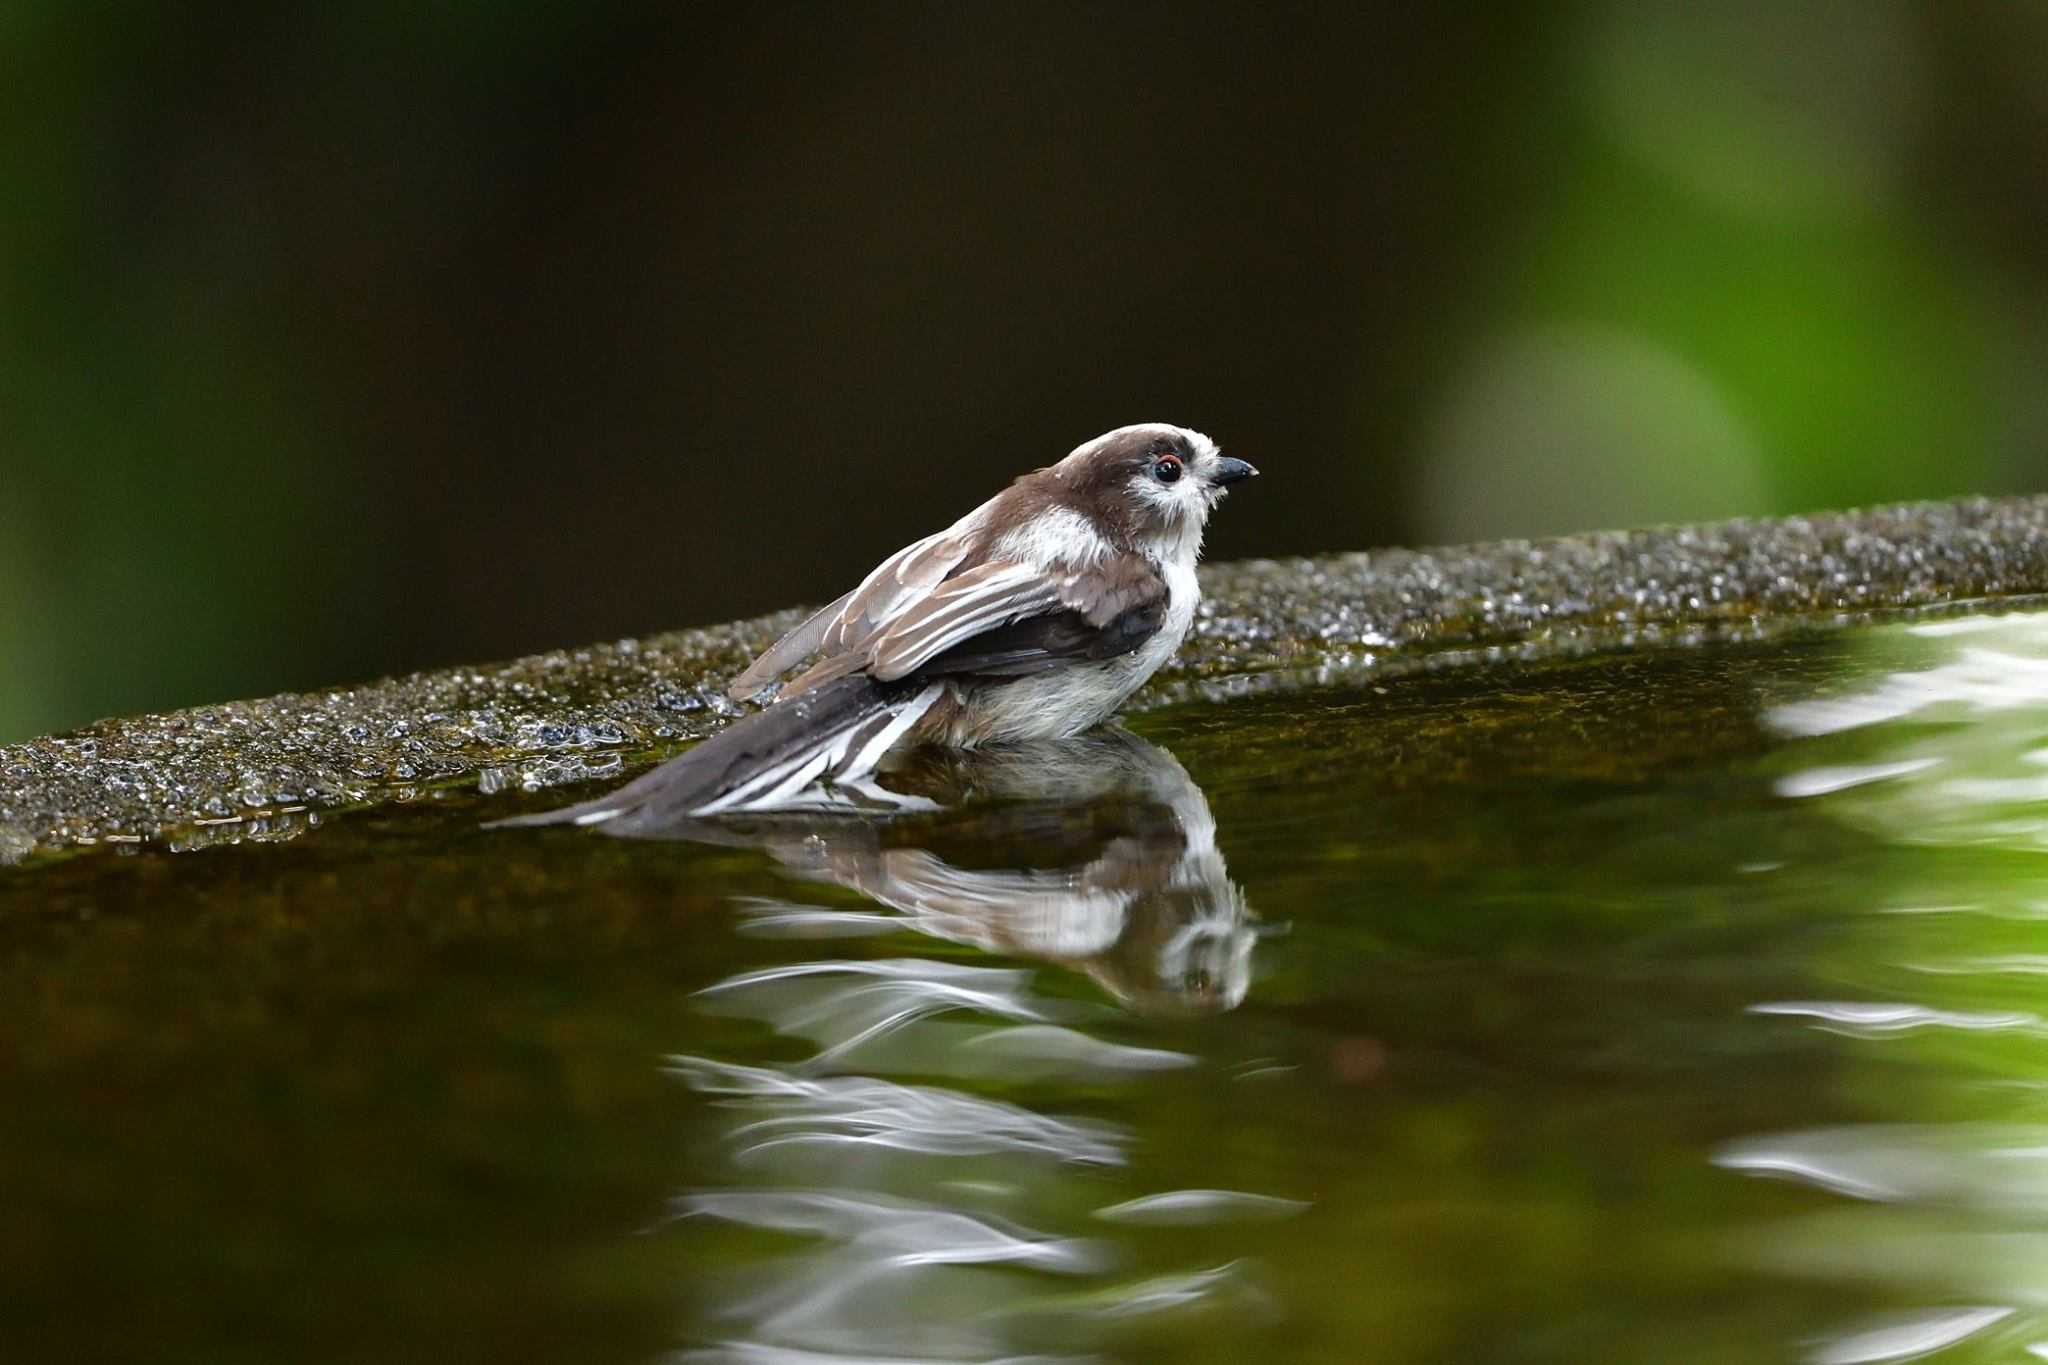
x=338, y=340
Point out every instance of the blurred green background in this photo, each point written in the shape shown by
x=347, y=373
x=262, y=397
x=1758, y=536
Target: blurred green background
x=337, y=341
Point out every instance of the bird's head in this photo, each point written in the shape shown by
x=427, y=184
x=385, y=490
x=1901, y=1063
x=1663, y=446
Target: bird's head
x=1155, y=481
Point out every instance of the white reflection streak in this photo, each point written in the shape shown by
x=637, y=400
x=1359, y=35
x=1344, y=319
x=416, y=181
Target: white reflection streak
x=2017, y=964
x=896, y=993
x=1878, y=1166
x=1966, y=625
x=1875, y=1019
x=1004, y=983
x=763, y=918
x=1167, y=1292
x=1918, y=1335
x=1978, y=680
x=1988, y=1166
x=887, y=1253
x=863, y=1111
x=1989, y=790
x=1763, y=1161
x=1821, y=781
x=1190, y=1208
x=907, y=1234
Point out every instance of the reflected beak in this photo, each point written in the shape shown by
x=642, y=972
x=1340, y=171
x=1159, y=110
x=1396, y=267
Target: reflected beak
x=1229, y=471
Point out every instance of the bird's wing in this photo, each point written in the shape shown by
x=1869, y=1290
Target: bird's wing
x=1040, y=644
x=983, y=598
x=845, y=627
x=1005, y=620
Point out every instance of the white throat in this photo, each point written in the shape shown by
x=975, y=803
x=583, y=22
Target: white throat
x=1180, y=546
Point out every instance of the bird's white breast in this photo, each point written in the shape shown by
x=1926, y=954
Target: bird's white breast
x=1183, y=594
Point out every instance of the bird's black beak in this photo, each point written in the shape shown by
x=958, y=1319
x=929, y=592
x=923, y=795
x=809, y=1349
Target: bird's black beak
x=1229, y=471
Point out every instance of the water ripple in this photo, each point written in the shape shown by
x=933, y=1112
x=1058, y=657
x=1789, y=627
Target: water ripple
x=928, y=1212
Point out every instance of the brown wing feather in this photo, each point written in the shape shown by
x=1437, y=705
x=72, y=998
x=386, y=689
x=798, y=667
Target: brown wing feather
x=897, y=583
x=1006, y=619
x=787, y=652
x=982, y=598
x=844, y=628
x=1113, y=588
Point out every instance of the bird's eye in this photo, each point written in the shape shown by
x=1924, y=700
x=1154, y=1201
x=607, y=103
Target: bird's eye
x=1166, y=469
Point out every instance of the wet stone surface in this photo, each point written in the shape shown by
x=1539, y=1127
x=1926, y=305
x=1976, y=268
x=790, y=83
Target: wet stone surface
x=264, y=769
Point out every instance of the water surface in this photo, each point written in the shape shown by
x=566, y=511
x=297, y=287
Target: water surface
x=1682, y=1005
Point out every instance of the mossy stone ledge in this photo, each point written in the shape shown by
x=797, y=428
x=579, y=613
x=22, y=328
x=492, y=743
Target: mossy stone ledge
x=264, y=769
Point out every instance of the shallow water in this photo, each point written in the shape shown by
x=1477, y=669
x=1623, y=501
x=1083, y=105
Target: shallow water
x=1686, y=1005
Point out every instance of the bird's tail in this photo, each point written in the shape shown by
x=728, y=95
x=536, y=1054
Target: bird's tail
x=836, y=732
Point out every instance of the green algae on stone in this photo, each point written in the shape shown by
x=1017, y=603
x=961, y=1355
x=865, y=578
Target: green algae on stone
x=262, y=769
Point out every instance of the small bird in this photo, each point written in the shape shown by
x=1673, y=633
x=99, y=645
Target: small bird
x=1032, y=617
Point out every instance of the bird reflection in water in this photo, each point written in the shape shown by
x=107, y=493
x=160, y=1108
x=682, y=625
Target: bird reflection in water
x=938, y=1221
x=1121, y=879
